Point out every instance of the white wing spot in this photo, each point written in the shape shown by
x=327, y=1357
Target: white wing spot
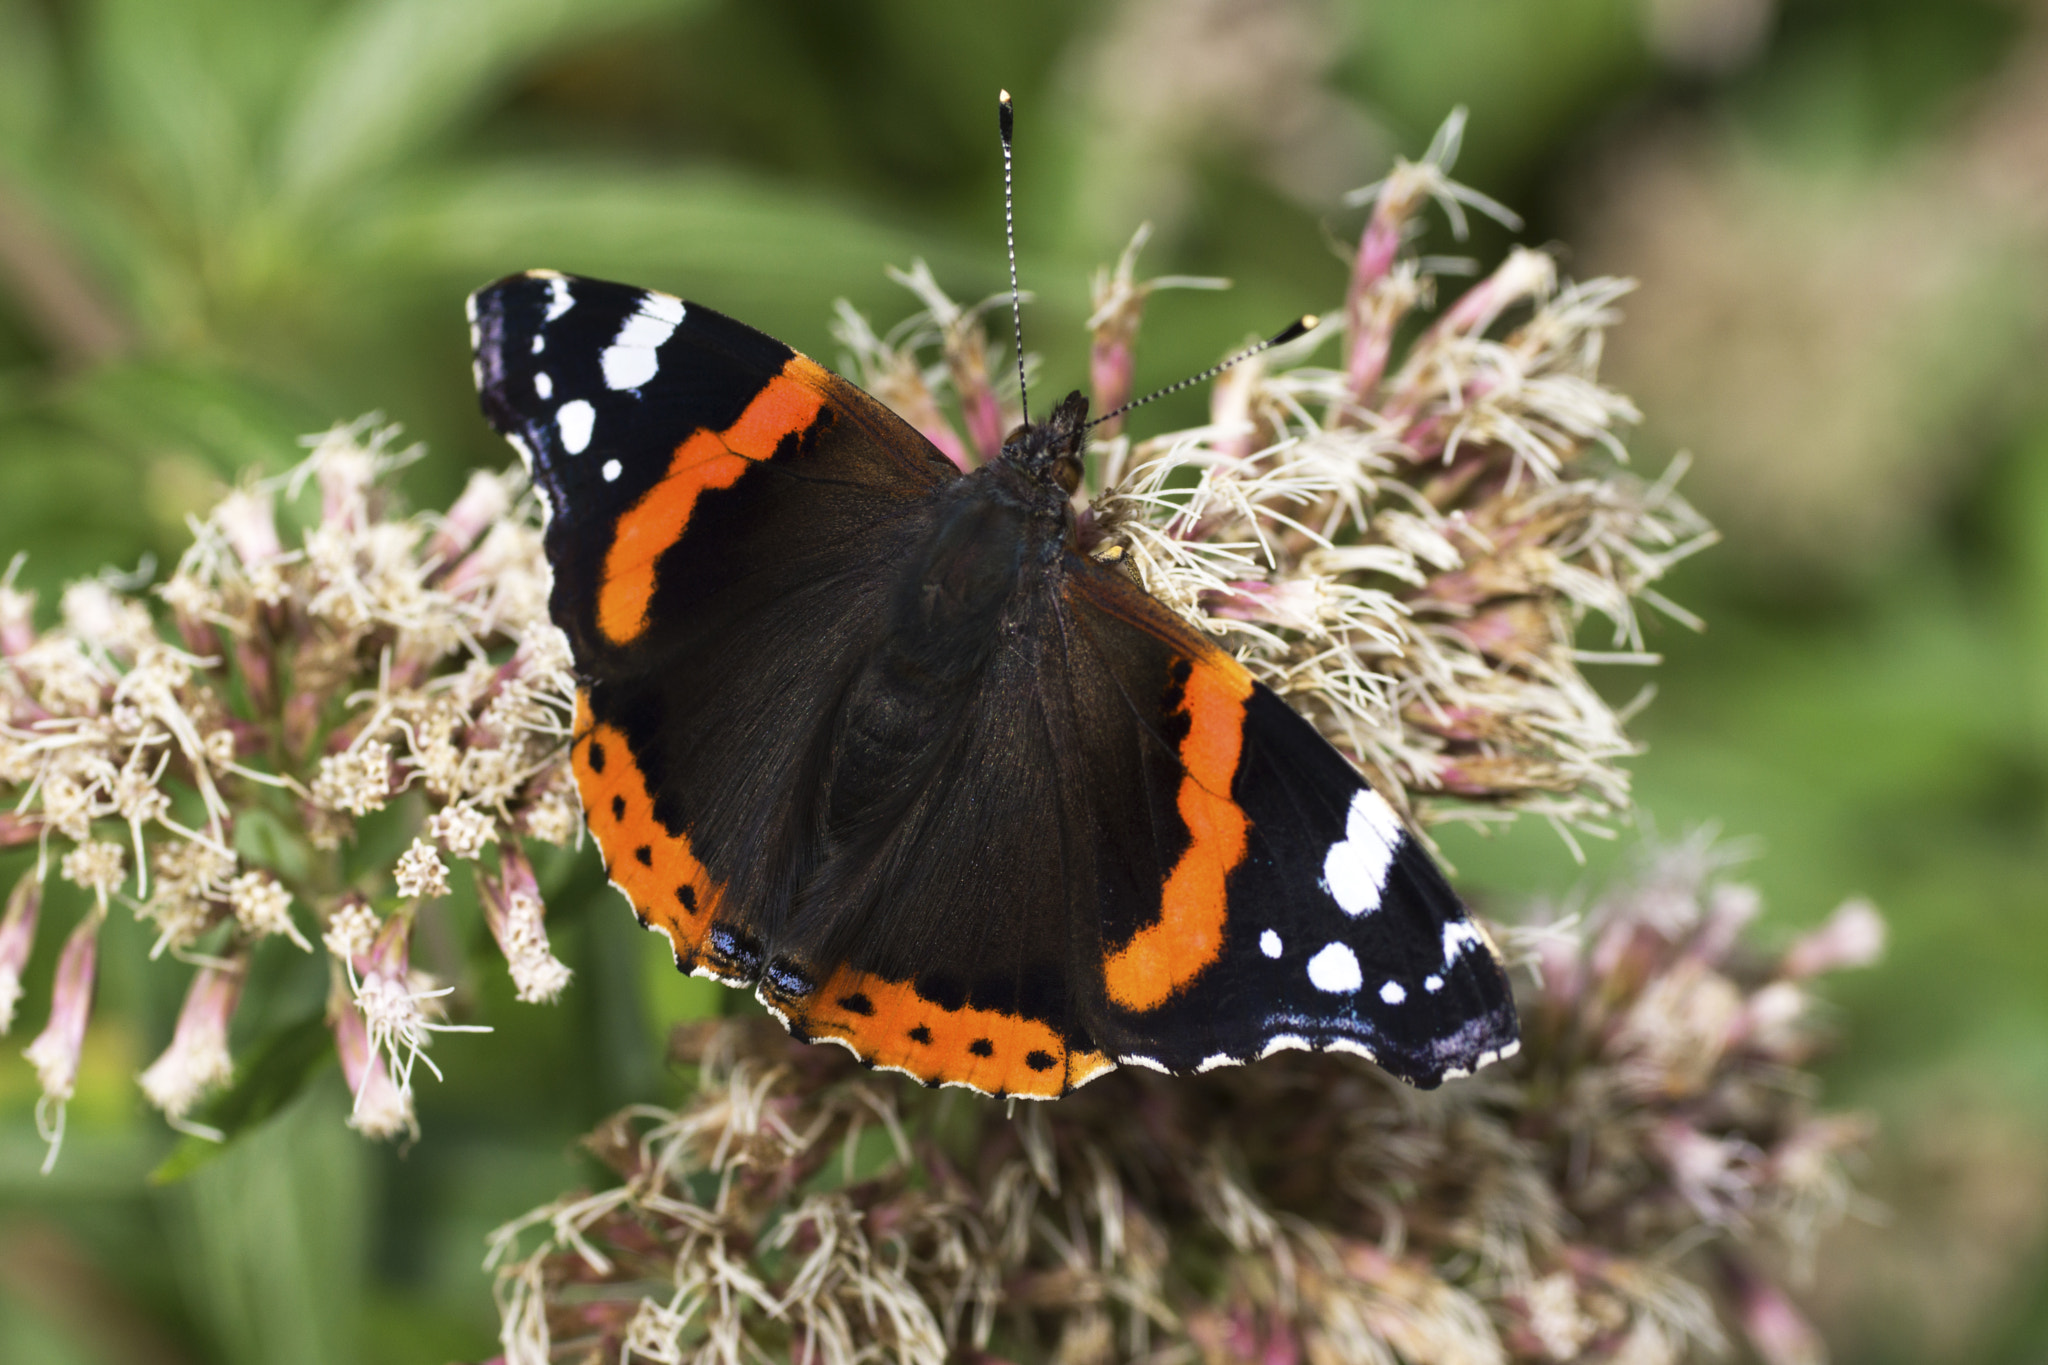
x=1269, y=943
x=575, y=419
x=540, y=343
x=611, y=471
x=1393, y=993
x=560, y=300
x=1335, y=969
x=1355, y=870
x=1458, y=936
x=543, y=384
x=1432, y=983
x=630, y=360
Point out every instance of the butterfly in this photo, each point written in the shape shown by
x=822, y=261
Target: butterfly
x=873, y=738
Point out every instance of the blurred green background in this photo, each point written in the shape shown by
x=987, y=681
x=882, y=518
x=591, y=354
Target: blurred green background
x=224, y=223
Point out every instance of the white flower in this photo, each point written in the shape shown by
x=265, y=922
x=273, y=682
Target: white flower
x=463, y=830
x=536, y=972
x=352, y=930
x=263, y=906
x=421, y=872
x=98, y=867
x=358, y=781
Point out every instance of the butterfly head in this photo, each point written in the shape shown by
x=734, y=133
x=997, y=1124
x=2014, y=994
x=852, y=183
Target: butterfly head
x=1050, y=451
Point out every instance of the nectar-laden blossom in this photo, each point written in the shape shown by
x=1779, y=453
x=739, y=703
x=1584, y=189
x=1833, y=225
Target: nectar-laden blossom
x=200, y=755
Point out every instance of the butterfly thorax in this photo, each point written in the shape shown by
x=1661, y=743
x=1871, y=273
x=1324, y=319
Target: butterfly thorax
x=983, y=576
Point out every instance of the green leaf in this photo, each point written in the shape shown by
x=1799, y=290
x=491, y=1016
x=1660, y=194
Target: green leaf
x=774, y=253
x=28, y=78
x=391, y=76
x=279, y=1070
x=275, y=1239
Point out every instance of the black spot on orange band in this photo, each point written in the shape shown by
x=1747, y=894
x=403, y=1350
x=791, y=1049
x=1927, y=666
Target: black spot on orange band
x=662, y=870
x=898, y=1024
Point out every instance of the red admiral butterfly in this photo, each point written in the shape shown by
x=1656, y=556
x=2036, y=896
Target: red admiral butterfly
x=874, y=738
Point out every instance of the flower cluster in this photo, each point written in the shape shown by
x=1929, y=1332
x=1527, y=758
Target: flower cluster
x=1635, y=1186
x=205, y=760
x=1405, y=545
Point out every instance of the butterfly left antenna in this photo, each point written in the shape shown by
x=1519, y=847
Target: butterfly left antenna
x=1005, y=120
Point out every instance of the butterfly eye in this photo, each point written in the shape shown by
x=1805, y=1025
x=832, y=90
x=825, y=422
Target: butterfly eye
x=1067, y=470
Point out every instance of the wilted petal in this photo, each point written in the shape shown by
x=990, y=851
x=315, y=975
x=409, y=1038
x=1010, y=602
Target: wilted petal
x=17, y=941
x=197, y=1060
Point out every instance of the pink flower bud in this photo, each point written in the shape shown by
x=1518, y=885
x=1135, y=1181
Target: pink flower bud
x=382, y=1109
x=1770, y=1022
x=1778, y=1332
x=1525, y=274
x=347, y=472
x=197, y=1060
x=1295, y=603
x=1852, y=937
x=249, y=525
x=1730, y=908
x=485, y=499
x=17, y=939
x=55, y=1052
x=1717, y=1176
x=1371, y=309
x=984, y=415
x=1109, y=376
x=17, y=621
x=513, y=908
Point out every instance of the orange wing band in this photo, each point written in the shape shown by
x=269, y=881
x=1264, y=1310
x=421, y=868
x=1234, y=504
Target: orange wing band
x=657, y=870
x=1169, y=954
x=787, y=405
x=890, y=1025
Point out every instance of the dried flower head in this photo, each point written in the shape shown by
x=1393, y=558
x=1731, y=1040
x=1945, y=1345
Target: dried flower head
x=381, y=661
x=1604, y=1196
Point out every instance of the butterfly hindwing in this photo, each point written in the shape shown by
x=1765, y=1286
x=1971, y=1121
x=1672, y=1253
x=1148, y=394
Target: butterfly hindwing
x=1290, y=907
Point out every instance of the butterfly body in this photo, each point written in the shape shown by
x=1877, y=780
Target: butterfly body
x=876, y=739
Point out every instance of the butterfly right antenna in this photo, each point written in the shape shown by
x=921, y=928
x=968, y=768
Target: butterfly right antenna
x=1280, y=338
